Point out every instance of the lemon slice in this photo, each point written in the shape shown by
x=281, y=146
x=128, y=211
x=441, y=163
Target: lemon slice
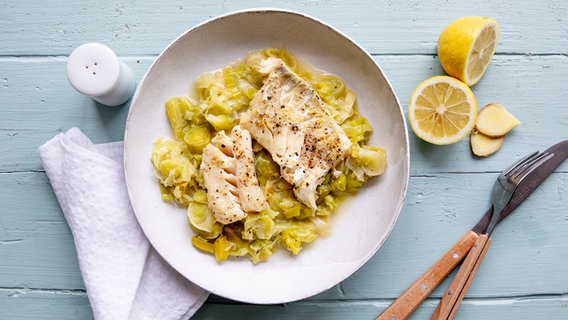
x=466, y=46
x=442, y=110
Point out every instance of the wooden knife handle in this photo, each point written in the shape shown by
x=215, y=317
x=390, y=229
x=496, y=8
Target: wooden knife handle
x=413, y=296
x=453, y=297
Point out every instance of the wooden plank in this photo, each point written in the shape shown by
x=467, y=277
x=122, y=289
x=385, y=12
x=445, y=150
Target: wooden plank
x=35, y=109
x=538, y=102
x=435, y=216
x=528, y=308
x=30, y=304
x=36, y=245
x=18, y=304
x=381, y=27
x=74, y=305
x=522, y=276
x=527, y=256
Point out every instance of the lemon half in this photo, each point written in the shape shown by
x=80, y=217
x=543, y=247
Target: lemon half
x=466, y=47
x=442, y=110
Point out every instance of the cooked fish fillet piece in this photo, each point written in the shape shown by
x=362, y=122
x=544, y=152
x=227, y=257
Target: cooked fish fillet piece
x=289, y=119
x=230, y=178
x=252, y=197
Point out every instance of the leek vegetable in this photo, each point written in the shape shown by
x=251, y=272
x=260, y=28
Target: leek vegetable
x=220, y=97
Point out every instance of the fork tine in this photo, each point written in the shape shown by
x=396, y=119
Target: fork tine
x=522, y=165
x=519, y=163
x=530, y=166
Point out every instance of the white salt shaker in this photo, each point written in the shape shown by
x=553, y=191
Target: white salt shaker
x=94, y=70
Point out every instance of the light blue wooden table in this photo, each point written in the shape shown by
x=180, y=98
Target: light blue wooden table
x=525, y=273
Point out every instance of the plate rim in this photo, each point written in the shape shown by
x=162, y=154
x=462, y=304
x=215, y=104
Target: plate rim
x=406, y=174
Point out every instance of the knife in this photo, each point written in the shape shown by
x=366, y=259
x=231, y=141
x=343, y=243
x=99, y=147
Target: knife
x=415, y=294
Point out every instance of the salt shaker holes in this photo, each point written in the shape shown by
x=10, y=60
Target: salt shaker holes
x=93, y=69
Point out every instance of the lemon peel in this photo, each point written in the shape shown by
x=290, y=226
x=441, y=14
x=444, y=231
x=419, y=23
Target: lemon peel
x=466, y=47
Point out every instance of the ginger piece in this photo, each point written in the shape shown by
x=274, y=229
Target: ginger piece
x=495, y=121
x=483, y=145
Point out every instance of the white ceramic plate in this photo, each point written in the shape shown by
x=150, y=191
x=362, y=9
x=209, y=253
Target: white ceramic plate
x=361, y=224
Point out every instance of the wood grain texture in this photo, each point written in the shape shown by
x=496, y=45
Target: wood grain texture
x=417, y=292
x=522, y=277
x=385, y=27
x=74, y=305
x=454, y=294
x=29, y=304
x=38, y=228
x=32, y=108
x=519, y=309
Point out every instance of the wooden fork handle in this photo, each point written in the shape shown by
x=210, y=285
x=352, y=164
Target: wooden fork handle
x=413, y=296
x=453, y=297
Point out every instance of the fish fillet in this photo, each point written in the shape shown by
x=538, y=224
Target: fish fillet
x=230, y=178
x=289, y=119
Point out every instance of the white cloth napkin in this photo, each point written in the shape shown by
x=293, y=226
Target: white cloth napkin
x=124, y=277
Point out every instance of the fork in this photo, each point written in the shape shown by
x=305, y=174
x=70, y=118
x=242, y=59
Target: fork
x=502, y=193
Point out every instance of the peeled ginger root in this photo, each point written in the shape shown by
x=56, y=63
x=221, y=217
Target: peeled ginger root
x=483, y=145
x=493, y=123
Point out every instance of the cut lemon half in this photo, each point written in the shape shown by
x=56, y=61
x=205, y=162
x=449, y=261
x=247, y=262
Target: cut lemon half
x=466, y=47
x=442, y=110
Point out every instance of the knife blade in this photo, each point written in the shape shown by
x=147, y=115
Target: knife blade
x=455, y=293
x=413, y=296
x=528, y=185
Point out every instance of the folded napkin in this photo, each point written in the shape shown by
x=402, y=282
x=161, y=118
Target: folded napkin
x=125, y=278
